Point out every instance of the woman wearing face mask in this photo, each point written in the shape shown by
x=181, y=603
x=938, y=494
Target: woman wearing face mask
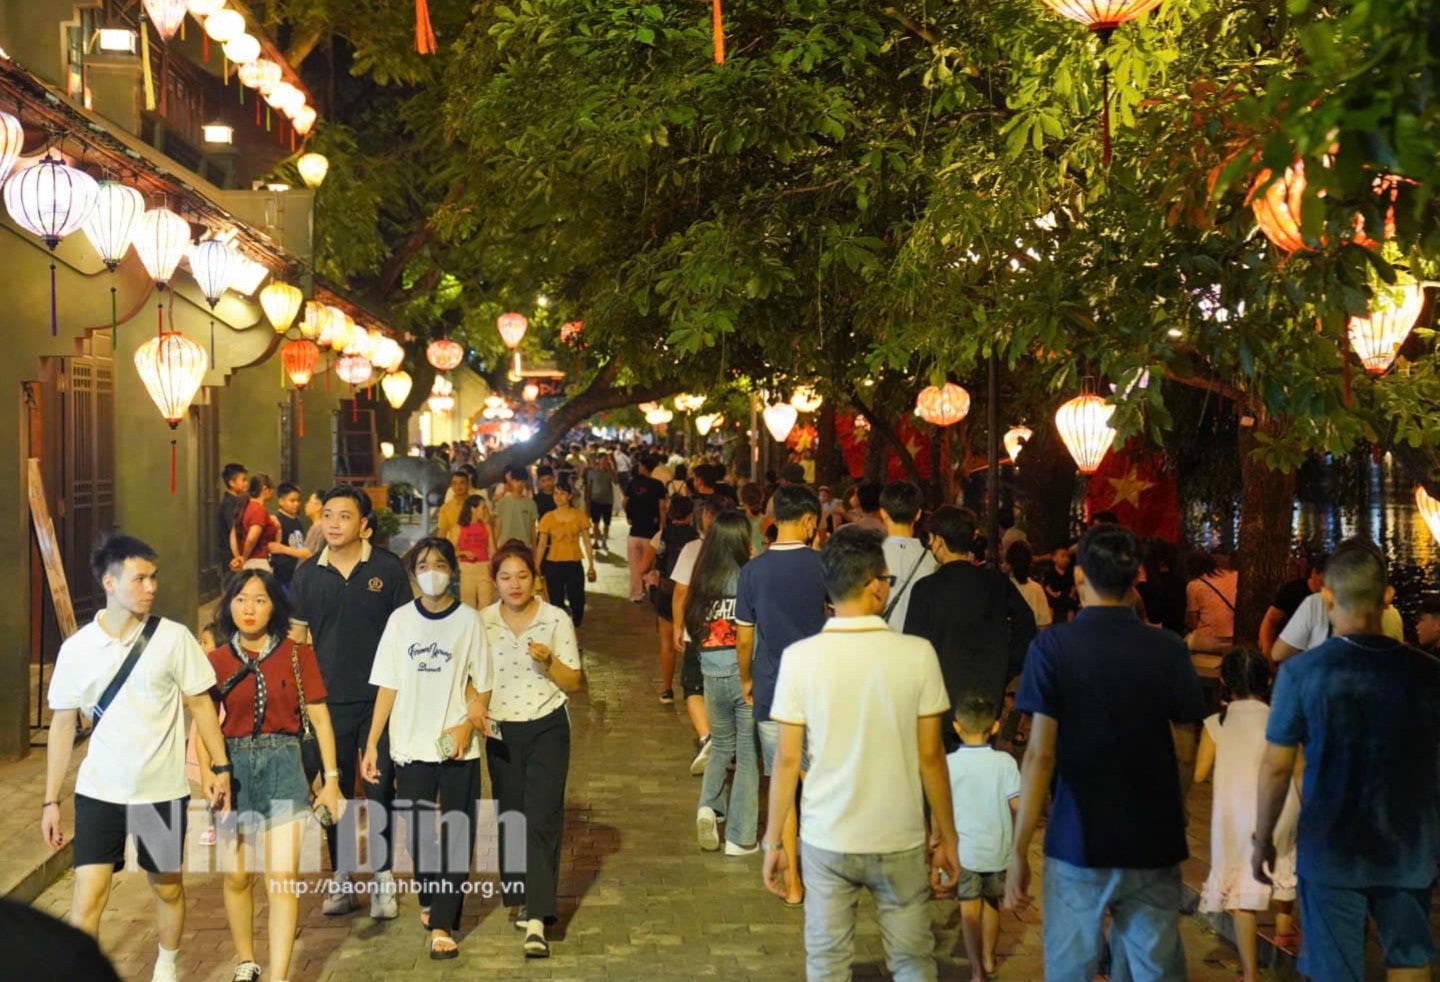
x=536, y=662
x=268, y=686
x=433, y=677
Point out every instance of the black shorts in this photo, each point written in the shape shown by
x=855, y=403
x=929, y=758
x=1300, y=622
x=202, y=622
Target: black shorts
x=662, y=600
x=692, y=679
x=159, y=829
x=600, y=512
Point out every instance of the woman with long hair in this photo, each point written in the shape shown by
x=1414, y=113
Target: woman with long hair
x=473, y=537
x=536, y=659
x=432, y=676
x=272, y=692
x=710, y=623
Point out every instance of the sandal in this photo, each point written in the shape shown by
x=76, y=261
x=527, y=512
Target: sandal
x=536, y=946
x=443, y=947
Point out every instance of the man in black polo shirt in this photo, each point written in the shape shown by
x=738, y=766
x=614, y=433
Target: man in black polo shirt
x=343, y=599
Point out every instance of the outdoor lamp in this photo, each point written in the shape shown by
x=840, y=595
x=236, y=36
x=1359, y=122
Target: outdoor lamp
x=780, y=419
x=1378, y=337
x=281, y=302
x=313, y=167
x=943, y=405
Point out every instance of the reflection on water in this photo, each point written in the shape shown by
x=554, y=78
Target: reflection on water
x=1387, y=516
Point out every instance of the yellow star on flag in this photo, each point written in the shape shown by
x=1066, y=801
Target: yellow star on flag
x=1130, y=487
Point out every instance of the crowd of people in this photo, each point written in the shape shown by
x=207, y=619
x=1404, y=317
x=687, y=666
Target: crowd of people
x=861, y=651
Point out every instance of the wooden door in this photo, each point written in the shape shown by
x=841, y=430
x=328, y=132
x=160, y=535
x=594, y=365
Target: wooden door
x=87, y=408
x=205, y=417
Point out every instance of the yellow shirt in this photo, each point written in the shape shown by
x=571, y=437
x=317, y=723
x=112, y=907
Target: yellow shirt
x=564, y=530
x=447, y=516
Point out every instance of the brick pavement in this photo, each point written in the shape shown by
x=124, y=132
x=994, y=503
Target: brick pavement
x=639, y=900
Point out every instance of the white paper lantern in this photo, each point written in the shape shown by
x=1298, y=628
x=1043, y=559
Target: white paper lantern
x=12, y=140
x=1084, y=424
x=354, y=369
x=161, y=239
x=313, y=168
x=242, y=49
x=806, y=399
x=111, y=224
x=1378, y=337
x=1015, y=439
x=304, y=120
x=166, y=15
x=201, y=9
x=213, y=264
x=50, y=200
x=223, y=25
x=659, y=417
x=704, y=424
x=396, y=387
x=1429, y=510
x=262, y=74
x=780, y=420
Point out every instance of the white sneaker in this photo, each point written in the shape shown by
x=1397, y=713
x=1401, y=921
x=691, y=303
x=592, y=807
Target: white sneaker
x=340, y=897
x=731, y=849
x=383, y=904
x=702, y=757
x=707, y=831
x=164, y=973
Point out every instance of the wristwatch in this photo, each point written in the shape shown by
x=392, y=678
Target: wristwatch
x=222, y=768
x=771, y=846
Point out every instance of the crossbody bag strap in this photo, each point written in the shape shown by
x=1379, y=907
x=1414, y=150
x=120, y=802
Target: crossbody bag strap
x=118, y=682
x=897, y=594
x=1215, y=590
x=305, y=729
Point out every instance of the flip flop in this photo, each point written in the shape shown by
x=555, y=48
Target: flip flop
x=443, y=947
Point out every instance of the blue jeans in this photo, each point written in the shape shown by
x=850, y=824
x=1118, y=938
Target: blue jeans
x=769, y=731
x=900, y=884
x=732, y=731
x=1144, y=906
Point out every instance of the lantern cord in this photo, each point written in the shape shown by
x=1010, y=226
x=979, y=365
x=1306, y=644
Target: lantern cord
x=1105, y=109
x=424, y=32
x=717, y=27
x=145, y=65
x=54, y=313
x=172, y=466
x=159, y=319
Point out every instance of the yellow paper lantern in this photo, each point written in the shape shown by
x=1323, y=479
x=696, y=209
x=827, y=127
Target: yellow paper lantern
x=1084, y=424
x=396, y=387
x=281, y=302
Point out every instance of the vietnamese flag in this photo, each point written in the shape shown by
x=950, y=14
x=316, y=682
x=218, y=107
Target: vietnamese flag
x=1137, y=485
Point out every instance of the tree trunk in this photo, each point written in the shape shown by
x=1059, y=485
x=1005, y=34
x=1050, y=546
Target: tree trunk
x=1267, y=500
x=883, y=434
x=598, y=396
x=1045, y=485
x=828, y=461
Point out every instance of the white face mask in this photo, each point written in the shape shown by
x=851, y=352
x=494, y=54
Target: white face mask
x=433, y=583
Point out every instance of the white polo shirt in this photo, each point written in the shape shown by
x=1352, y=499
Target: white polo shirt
x=859, y=689
x=1309, y=626
x=136, y=754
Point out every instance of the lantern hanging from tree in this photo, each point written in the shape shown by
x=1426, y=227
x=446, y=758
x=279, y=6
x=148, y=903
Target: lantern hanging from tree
x=1015, y=440
x=281, y=302
x=304, y=119
x=1378, y=337
x=424, y=32
x=806, y=399
x=1084, y=424
x=512, y=328
x=313, y=167
x=444, y=354
x=688, y=403
x=51, y=200
x=704, y=424
x=943, y=405
x=396, y=387
x=780, y=419
x=1429, y=510
x=110, y=227
x=659, y=416
x=12, y=140
x=648, y=407
x=172, y=368
x=1102, y=17
x=1277, y=207
x=300, y=359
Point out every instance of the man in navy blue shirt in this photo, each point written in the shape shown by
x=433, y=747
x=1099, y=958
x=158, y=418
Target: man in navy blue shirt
x=1116, y=836
x=1367, y=710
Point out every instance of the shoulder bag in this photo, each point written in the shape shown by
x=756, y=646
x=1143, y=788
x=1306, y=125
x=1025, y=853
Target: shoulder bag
x=118, y=682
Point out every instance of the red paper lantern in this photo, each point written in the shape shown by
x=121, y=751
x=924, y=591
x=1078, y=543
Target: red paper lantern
x=300, y=357
x=444, y=354
x=512, y=327
x=943, y=406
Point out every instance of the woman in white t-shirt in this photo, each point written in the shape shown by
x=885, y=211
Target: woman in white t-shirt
x=536, y=662
x=1018, y=558
x=1209, y=604
x=433, y=676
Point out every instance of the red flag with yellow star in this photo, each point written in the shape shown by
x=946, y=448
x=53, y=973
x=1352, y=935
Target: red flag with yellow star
x=1138, y=486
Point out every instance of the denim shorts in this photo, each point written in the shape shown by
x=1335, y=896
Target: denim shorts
x=268, y=784
x=975, y=886
x=1333, y=946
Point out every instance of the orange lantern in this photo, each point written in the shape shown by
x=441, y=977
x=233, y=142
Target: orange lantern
x=1429, y=510
x=1378, y=337
x=1277, y=208
x=943, y=406
x=444, y=354
x=1084, y=424
x=172, y=368
x=512, y=328
x=300, y=357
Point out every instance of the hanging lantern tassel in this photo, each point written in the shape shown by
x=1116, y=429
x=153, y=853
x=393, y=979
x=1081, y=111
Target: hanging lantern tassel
x=54, y=313
x=212, y=341
x=145, y=65
x=205, y=47
x=172, y=464
x=354, y=405
x=717, y=26
x=300, y=413
x=1104, y=33
x=424, y=33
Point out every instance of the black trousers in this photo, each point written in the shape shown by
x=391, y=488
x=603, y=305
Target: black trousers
x=351, y=721
x=528, y=769
x=448, y=791
x=566, y=584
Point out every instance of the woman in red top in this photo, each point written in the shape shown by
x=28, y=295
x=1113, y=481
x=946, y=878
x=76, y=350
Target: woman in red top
x=268, y=686
x=255, y=528
x=472, y=536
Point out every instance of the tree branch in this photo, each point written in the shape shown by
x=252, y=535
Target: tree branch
x=880, y=427
x=913, y=26
x=418, y=239
x=303, y=43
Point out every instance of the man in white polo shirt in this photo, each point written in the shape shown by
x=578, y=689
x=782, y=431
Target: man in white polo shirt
x=872, y=702
x=133, y=777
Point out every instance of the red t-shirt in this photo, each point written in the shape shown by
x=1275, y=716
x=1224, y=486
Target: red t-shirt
x=282, y=700
x=475, y=540
x=255, y=514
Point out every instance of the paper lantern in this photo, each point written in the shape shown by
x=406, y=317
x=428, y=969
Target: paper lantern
x=780, y=419
x=281, y=302
x=313, y=167
x=943, y=405
x=570, y=331
x=242, y=49
x=648, y=407
x=358, y=344
x=111, y=224
x=531, y=392
x=386, y=354
x=203, y=8
x=248, y=275
x=161, y=238
x=300, y=358
x=1084, y=424
x=1429, y=510
x=688, y=403
x=1015, y=440
x=354, y=369
x=396, y=387
x=50, y=200
x=444, y=354
x=284, y=98
x=512, y=327
x=1377, y=338
x=704, y=424
x=1101, y=15
x=223, y=25
x=659, y=417
x=166, y=15
x=304, y=119
x=12, y=140
x=213, y=264
x=342, y=329
x=261, y=74
x=172, y=368
x=317, y=318
x=806, y=399
x=1277, y=208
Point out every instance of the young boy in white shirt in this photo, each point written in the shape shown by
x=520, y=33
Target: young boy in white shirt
x=985, y=790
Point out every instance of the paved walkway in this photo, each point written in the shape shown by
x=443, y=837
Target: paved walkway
x=639, y=900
